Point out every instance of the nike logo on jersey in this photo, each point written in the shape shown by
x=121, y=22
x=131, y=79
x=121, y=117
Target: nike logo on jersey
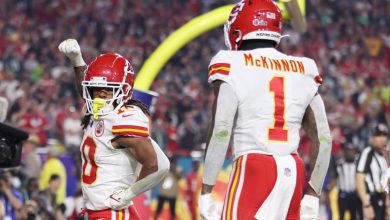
x=115, y=199
x=127, y=115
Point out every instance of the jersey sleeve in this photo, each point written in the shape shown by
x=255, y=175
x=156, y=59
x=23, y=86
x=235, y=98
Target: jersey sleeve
x=131, y=121
x=220, y=67
x=313, y=71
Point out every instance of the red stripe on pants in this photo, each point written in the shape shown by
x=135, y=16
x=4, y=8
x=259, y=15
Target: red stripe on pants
x=226, y=200
x=233, y=188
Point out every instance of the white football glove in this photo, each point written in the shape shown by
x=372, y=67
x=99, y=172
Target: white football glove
x=119, y=200
x=310, y=207
x=207, y=208
x=72, y=50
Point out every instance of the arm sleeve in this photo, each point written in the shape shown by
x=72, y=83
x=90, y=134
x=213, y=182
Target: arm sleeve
x=325, y=139
x=153, y=179
x=226, y=108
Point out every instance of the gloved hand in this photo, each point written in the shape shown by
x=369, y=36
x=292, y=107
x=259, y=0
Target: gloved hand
x=72, y=50
x=207, y=208
x=310, y=207
x=119, y=200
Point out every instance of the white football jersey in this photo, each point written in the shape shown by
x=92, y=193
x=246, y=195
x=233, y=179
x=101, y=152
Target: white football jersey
x=105, y=169
x=273, y=92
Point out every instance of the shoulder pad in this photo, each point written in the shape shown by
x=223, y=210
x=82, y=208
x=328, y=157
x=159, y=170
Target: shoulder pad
x=131, y=121
x=312, y=70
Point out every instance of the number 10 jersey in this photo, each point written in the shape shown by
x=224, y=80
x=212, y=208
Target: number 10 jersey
x=104, y=168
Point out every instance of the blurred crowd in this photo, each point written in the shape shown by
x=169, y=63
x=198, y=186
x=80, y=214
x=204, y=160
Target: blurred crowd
x=350, y=41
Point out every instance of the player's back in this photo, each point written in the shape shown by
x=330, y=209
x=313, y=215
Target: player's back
x=273, y=91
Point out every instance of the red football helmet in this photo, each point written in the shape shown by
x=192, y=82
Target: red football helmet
x=109, y=71
x=251, y=20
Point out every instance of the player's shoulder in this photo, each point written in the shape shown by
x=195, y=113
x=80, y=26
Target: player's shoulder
x=309, y=64
x=221, y=65
x=130, y=121
x=310, y=68
x=132, y=112
x=222, y=56
x=225, y=58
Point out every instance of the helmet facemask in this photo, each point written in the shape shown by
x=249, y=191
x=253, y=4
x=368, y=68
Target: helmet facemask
x=226, y=30
x=228, y=24
x=238, y=39
x=99, y=107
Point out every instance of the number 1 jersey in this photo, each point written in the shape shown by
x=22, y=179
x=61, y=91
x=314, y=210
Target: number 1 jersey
x=273, y=91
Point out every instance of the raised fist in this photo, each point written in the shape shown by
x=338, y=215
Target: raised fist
x=71, y=49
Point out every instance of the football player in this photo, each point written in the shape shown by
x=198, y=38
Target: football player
x=119, y=158
x=262, y=99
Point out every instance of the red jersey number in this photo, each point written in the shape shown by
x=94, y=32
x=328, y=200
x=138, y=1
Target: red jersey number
x=88, y=152
x=278, y=132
